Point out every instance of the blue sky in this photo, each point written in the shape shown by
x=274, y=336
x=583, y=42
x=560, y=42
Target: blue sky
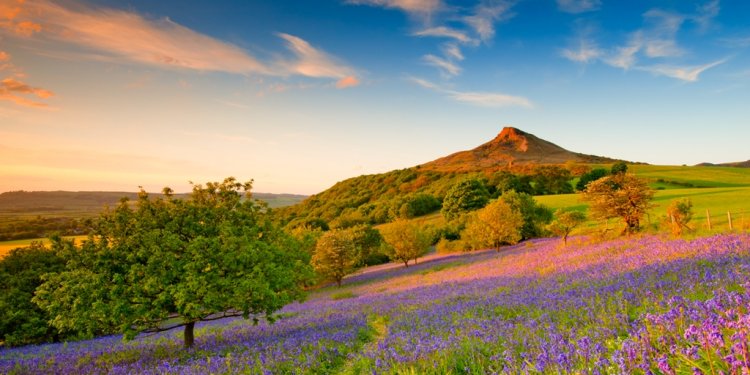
x=297, y=95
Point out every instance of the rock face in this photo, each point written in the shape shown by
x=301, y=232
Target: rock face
x=512, y=147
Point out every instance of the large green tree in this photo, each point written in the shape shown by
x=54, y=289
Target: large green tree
x=166, y=263
x=535, y=215
x=464, y=196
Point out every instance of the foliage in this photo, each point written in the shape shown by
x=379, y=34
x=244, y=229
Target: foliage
x=494, y=225
x=451, y=246
x=414, y=205
x=620, y=195
x=564, y=223
x=467, y=195
x=190, y=260
x=679, y=213
x=590, y=176
x=551, y=179
x=367, y=244
x=406, y=240
x=535, y=216
x=21, y=321
x=618, y=168
x=503, y=181
x=335, y=255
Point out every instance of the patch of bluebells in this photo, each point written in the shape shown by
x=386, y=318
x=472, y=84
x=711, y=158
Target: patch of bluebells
x=632, y=306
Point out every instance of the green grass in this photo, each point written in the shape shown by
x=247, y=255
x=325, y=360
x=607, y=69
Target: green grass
x=697, y=176
x=718, y=201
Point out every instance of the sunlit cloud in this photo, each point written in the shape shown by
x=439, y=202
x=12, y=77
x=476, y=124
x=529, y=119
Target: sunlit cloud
x=578, y=6
x=421, y=8
x=683, y=73
x=447, y=67
x=18, y=92
x=444, y=32
x=312, y=62
x=625, y=57
x=481, y=99
x=345, y=82
x=586, y=52
x=117, y=35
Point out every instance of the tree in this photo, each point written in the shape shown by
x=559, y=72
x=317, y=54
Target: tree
x=619, y=167
x=467, y=195
x=679, y=214
x=494, y=225
x=620, y=195
x=535, y=216
x=564, y=223
x=589, y=176
x=405, y=241
x=210, y=256
x=21, y=321
x=335, y=255
x=551, y=179
x=503, y=181
x=367, y=243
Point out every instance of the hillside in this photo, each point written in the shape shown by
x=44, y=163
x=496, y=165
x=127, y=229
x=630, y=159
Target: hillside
x=612, y=307
x=737, y=164
x=512, y=147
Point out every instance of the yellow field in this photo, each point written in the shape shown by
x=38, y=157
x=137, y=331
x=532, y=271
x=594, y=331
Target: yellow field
x=7, y=246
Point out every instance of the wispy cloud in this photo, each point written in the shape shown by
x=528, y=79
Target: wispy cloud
x=482, y=99
x=312, y=62
x=452, y=51
x=486, y=14
x=683, y=73
x=120, y=35
x=18, y=92
x=14, y=90
x=586, y=52
x=447, y=67
x=444, y=32
x=706, y=13
x=625, y=57
x=578, y=6
x=420, y=8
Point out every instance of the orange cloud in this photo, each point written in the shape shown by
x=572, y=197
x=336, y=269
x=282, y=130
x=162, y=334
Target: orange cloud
x=312, y=62
x=10, y=11
x=12, y=89
x=345, y=82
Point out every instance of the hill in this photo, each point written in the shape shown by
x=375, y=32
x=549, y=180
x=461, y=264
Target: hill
x=33, y=214
x=737, y=164
x=512, y=147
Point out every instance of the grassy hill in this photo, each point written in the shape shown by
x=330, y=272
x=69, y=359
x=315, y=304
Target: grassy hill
x=619, y=306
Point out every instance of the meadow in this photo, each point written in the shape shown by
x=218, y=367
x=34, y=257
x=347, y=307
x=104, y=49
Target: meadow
x=640, y=305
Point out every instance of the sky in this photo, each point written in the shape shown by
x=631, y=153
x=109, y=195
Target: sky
x=297, y=95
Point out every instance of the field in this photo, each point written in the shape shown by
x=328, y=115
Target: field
x=7, y=246
x=634, y=305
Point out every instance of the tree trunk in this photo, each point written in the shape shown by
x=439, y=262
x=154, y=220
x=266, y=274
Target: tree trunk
x=406, y=263
x=189, y=337
x=338, y=283
x=565, y=239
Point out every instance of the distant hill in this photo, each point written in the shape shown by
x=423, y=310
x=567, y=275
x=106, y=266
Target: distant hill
x=511, y=148
x=33, y=214
x=737, y=164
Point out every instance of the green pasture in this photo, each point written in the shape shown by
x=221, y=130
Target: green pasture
x=718, y=201
x=696, y=176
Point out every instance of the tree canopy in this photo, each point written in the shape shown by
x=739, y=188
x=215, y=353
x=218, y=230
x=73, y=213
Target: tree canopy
x=406, y=240
x=467, y=195
x=494, y=225
x=209, y=256
x=335, y=254
x=565, y=221
x=620, y=195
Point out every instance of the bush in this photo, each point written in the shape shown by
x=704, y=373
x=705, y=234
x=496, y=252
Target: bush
x=465, y=196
